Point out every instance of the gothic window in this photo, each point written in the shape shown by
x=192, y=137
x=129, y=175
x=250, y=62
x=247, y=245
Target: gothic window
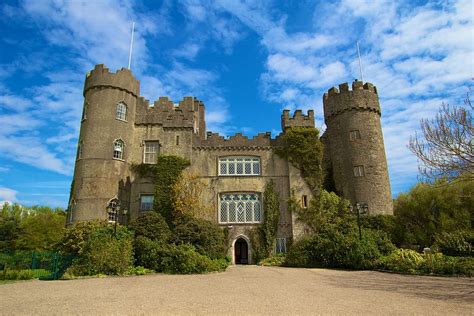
x=79, y=150
x=280, y=245
x=151, y=151
x=358, y=171
x=239, y=166
x=354, y=135
x=118, y=149
x=121, y=113
x=146, y=202
x=244, y=207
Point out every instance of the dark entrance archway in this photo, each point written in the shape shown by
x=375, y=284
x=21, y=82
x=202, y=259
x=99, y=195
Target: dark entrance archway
x=241, y=251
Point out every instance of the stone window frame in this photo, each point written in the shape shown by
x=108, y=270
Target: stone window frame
x=227, y=199
x=122, y=151
x=358, y=171
x=150, y=141
x=121, y=111
x=149, y=207
x=354, y=135
x=233, y=162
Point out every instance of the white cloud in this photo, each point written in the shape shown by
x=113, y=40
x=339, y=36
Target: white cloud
x=7, y=195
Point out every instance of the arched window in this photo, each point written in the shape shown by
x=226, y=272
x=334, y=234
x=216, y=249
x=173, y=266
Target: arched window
x=118, y=149
x=121, y=113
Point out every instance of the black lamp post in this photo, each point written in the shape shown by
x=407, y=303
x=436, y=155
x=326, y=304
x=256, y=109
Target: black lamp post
x=113, y=211
x=360, y=209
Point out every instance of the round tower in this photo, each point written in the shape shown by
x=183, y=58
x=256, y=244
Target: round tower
x=354, y=146
x=102, y=166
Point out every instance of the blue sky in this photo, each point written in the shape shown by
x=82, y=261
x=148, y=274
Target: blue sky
x=246, y=60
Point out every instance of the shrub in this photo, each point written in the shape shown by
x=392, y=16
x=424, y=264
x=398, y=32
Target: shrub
x=98, y=251
x=459, y=244
x=276, y=260
x=139, y=271
x=332, y=248
x=151, y=225
x=402, y=260
x=170, y=258
x=208, y=238
x=25, y=274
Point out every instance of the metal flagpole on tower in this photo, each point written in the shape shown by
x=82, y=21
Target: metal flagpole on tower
x=360, y=63
x=131, y=46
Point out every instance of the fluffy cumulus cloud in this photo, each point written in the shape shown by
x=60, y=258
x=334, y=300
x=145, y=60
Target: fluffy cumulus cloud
x=418, y=55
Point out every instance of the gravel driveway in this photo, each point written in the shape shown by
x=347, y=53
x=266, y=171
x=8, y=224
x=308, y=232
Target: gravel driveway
x=244, y=290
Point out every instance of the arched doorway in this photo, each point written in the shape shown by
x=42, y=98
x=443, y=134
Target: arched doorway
x=241, y=251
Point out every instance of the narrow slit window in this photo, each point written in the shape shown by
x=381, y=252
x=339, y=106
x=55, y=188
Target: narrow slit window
x=359, y=171
x=354, y=135
x=177, y=140
x=304, y=201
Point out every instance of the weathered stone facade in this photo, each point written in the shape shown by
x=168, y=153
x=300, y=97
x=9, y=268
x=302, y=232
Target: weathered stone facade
x=180, y=129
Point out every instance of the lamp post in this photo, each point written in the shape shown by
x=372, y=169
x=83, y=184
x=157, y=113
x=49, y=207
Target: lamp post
x=113, y=211
x=360, y=209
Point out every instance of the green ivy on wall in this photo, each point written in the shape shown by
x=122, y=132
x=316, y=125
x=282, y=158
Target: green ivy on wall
x=164, y=173
x=271, y=206
x=302, y=147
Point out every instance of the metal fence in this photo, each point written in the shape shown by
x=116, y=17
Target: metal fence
x=33, y=264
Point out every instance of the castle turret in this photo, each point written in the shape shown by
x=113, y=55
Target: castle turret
x=298, y=119
x=354, y=146
x=103, y=157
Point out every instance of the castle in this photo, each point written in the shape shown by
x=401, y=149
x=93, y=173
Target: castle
x=120, y=128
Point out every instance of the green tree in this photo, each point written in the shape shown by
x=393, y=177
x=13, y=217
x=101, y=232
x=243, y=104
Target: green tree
x=429, y=209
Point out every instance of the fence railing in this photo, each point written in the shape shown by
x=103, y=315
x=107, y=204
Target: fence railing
x=33, y=265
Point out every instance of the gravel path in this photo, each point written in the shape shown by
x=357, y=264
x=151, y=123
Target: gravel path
x=244, y=290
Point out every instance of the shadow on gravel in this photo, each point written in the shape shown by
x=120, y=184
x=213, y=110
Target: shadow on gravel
x=437, y=288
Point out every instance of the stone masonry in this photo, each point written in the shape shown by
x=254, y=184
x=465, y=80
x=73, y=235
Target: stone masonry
x=102, y=171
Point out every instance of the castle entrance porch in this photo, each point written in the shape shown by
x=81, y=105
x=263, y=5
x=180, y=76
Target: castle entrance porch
x=241, y=251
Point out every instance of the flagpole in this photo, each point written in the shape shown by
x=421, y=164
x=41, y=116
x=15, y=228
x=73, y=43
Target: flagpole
x=360, y=63
x=131, y=46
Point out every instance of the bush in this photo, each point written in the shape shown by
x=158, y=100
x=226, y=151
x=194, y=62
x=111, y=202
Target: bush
x=402, y=260
x=208, y=238
x=152, y=225
x=332, y=248
x=276, y=261
x=25, y=274
x=170, y=258
x=98, y=251
x=458, y=244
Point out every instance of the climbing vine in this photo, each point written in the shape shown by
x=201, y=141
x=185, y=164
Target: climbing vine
x=302, y=147
x=271, y=218
x=164, y=173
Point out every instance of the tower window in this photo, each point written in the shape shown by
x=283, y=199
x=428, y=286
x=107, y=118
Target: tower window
x=146, y=202
x=239, y=166
x=151, y=151
x=121, y=113
x=84, y=111
x=358, y=171
x=118, y=149
x=177, y=140
x=304, y=201
x=242, y=207
x=79, y=150
x=354, y=135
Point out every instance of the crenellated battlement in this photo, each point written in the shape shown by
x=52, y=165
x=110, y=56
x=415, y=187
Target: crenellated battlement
x=216, y=141
x=297, y=120
x=101, y=77
x=167, y=113
x=361, y=97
